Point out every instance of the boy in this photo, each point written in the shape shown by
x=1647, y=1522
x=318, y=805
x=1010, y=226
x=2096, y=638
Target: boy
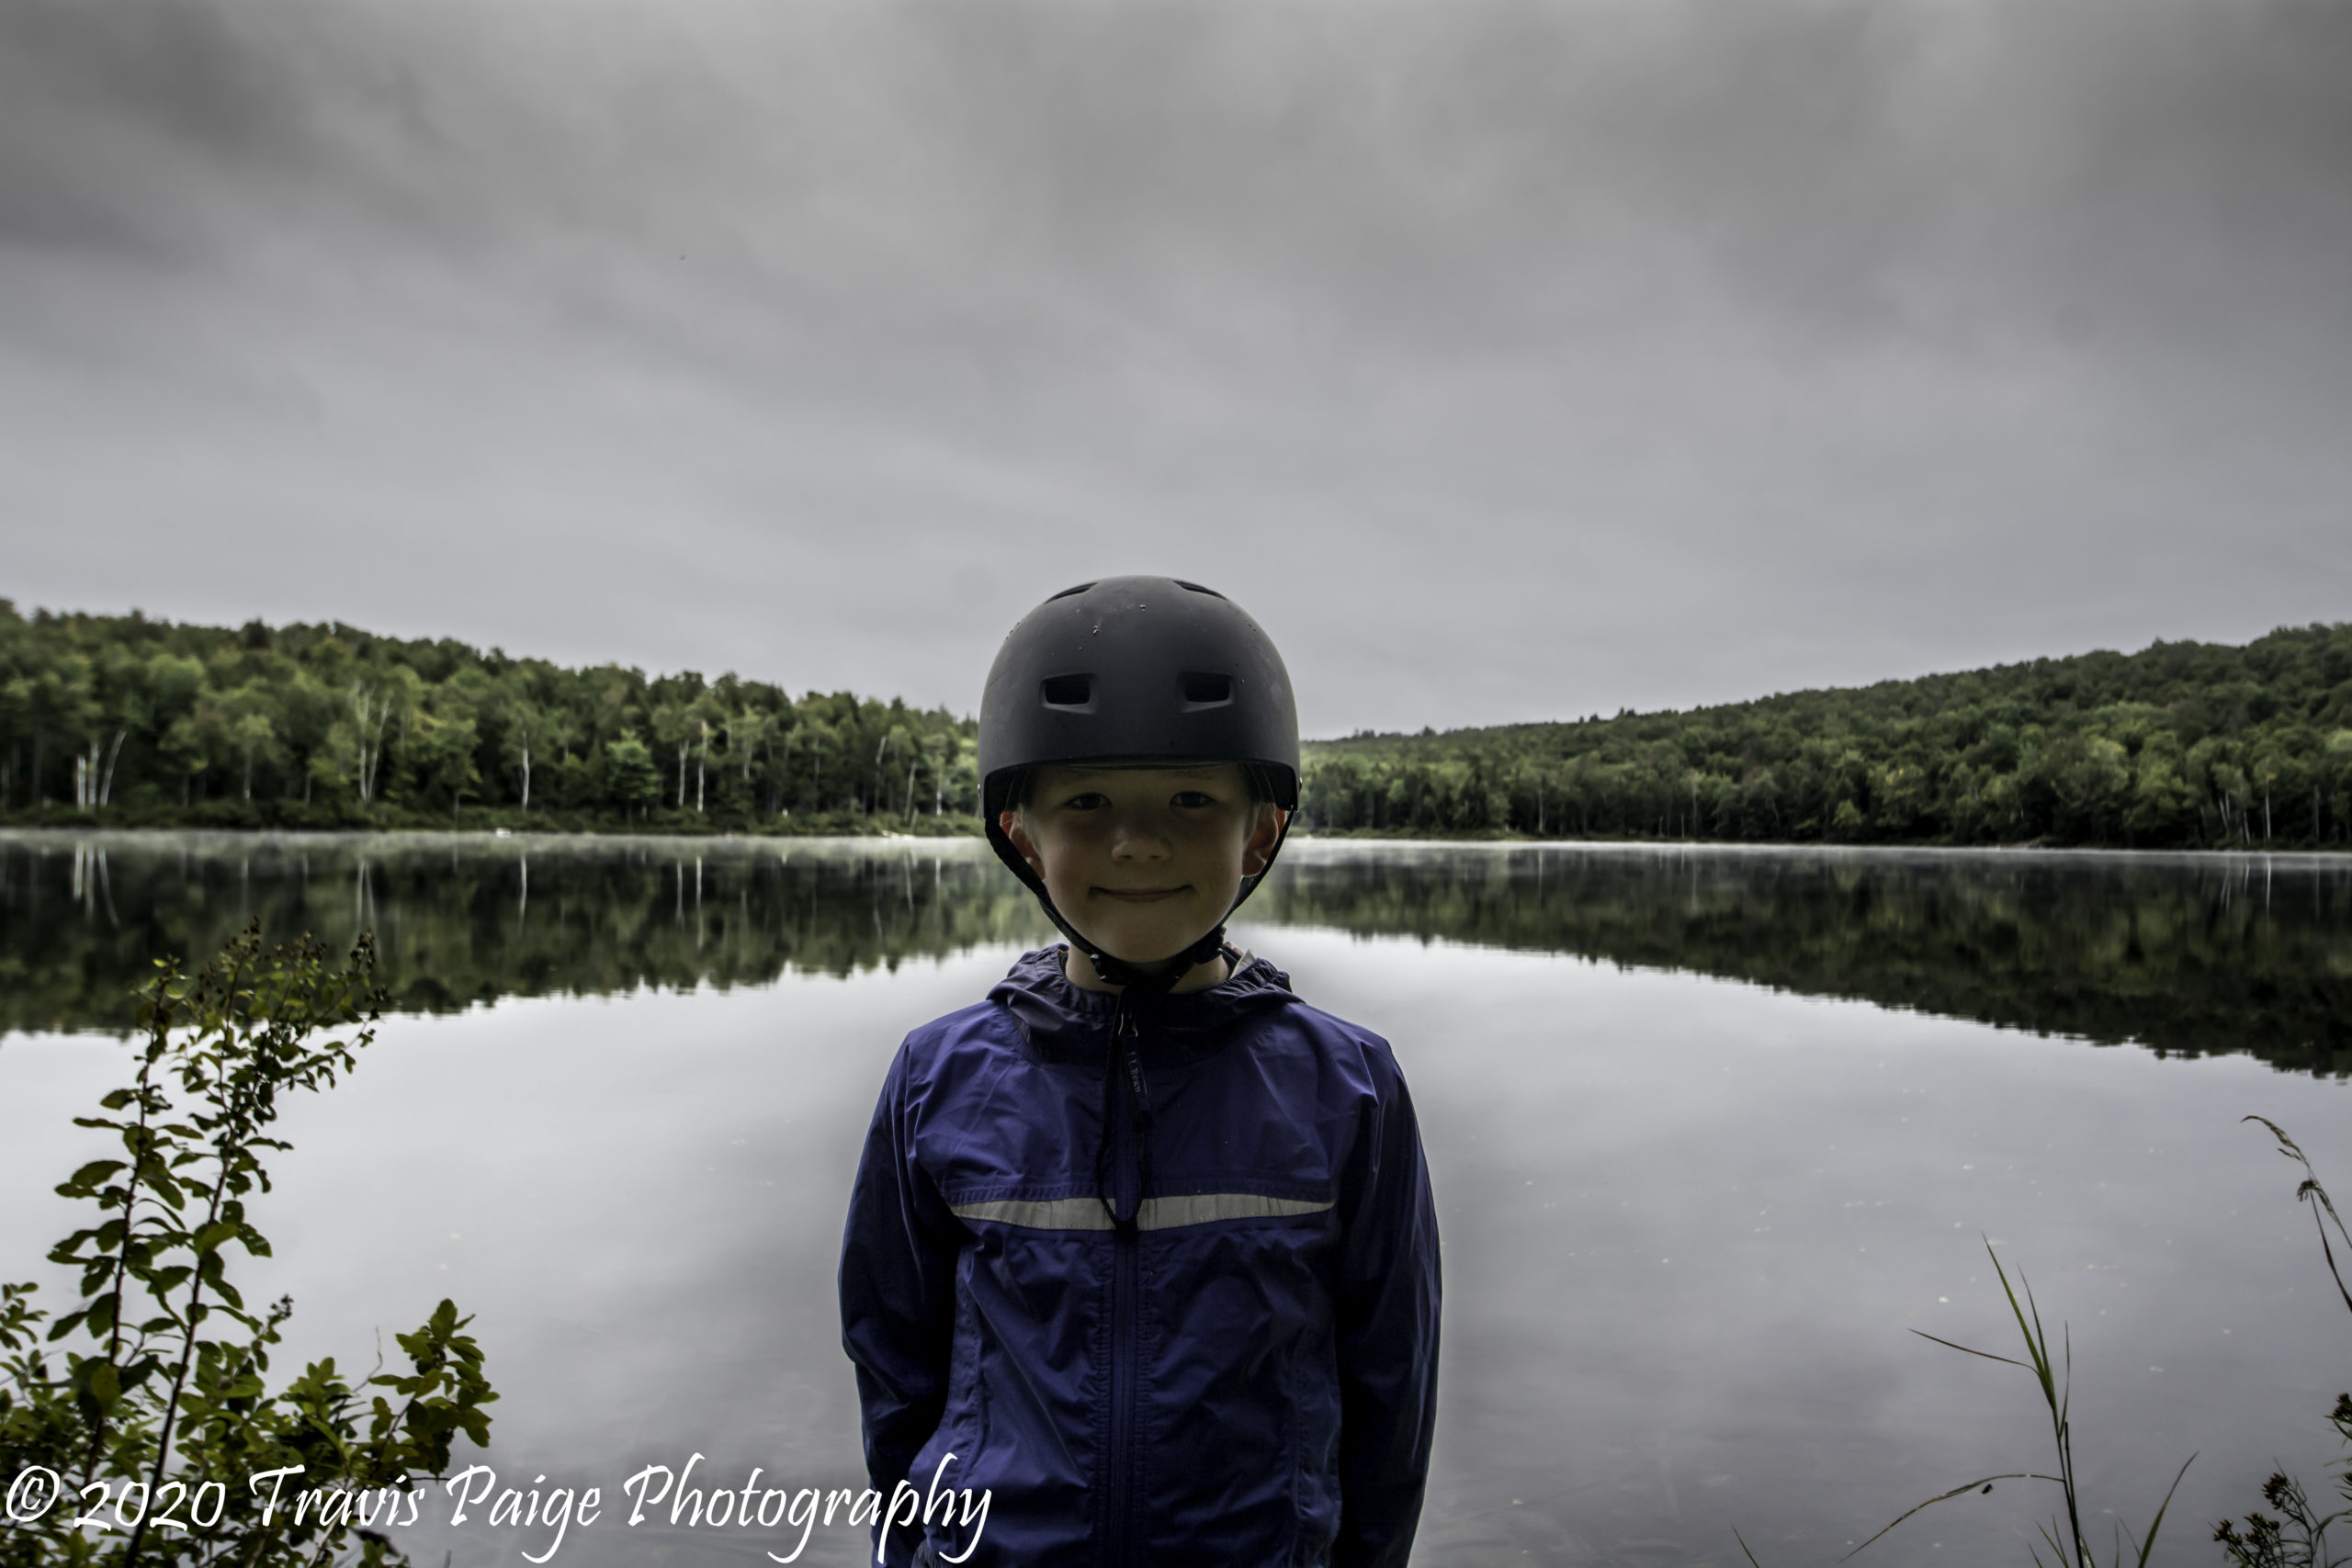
x=1143, y=1245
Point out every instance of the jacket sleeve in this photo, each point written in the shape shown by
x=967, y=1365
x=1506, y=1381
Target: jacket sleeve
x=1387, y=1328
x=897, y=1289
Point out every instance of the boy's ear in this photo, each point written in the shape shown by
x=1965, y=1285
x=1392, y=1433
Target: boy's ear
x=1260, y=850
x=1009, y=823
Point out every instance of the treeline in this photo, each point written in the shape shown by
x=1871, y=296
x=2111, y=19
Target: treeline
x=2182, y=745
x=122, y=720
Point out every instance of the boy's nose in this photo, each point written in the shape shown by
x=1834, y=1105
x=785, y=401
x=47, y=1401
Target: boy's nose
x=1137, y=840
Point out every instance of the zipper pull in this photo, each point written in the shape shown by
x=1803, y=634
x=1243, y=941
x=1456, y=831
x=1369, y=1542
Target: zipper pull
x=1138, y=1094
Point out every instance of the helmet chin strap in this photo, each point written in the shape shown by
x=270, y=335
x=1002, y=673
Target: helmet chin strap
x=1144, y=979
x=1137, y=976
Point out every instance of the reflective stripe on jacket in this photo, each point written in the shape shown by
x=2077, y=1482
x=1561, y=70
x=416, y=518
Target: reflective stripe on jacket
x=1232, y=1360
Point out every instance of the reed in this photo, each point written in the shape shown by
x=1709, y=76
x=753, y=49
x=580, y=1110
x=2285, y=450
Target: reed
x=2296, y=1537
x=2053, y=1372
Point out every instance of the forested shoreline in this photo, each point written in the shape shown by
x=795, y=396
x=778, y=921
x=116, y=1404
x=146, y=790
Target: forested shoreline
x=2182, y=745
x=121, y=720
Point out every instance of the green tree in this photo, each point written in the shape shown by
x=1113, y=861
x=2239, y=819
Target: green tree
x=439, y=754
x=630, y=781
x=2090, y=776
x=523, y=731
x=312, y=709
x=252, y=719
x=2161, y=801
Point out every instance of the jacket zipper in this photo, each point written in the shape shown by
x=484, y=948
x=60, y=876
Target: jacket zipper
x=1127, y=1193
x=1123, y=1396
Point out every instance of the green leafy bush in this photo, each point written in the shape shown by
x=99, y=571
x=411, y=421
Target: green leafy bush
x=139, y=1427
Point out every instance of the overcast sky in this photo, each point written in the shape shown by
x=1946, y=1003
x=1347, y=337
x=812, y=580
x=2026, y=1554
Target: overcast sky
x=1508, y=361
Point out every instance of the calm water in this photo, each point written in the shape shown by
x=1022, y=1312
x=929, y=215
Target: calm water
x=1710, y=1133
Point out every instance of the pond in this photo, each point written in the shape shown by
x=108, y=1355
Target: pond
x=1712, y=1133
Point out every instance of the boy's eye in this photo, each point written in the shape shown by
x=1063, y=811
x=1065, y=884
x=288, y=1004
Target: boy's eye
x=1193, y=798
x=1093, y=800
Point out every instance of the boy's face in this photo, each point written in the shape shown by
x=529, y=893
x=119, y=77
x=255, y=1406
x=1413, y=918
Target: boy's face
x=1145, y=861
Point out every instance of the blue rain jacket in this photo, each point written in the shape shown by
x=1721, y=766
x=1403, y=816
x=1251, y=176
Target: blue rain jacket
x=1234, y=1361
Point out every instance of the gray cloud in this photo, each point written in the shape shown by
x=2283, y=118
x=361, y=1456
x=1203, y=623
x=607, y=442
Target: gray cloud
x=1510, y=360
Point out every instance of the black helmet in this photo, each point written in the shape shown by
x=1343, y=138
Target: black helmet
x=1141, y=671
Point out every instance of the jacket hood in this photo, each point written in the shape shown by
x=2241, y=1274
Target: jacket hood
x=1065, y=1023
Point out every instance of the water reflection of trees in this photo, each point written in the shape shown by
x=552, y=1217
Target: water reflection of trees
x=459, y=922
x=2190, y=956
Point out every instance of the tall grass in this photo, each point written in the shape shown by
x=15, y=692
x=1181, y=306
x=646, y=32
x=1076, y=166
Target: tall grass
x=2054, y=1375
x=2055, y=1378
x=2297, y=1539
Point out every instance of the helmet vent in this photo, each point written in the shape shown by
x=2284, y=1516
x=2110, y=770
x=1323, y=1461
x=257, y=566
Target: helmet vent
x=1190, y=588
x=1085, y=586
x=1203, y=691
x=1073, y=691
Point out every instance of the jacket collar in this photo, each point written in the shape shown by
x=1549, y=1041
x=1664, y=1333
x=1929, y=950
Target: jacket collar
x=1064, y=1024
